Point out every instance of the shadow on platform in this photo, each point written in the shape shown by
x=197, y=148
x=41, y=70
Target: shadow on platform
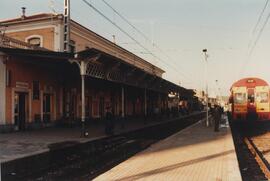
x=174, y=166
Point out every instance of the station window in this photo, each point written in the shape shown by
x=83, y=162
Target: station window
x=35, y=41
x=46, y=107
x=36, y=90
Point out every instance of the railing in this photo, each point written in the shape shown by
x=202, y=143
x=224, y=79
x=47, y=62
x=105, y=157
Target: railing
x=9, y=42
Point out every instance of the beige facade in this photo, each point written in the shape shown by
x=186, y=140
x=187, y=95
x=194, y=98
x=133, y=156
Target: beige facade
x=49, y=28
x=46, y=36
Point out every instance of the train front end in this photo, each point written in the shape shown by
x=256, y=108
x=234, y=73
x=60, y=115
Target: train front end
x=250, y=100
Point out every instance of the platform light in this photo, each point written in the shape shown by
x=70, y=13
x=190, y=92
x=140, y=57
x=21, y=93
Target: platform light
x=206, y=82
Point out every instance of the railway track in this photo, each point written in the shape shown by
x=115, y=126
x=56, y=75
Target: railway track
x=252, y=142
x=262, y=162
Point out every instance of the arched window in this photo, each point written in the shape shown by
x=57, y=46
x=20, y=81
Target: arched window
x=36, y=40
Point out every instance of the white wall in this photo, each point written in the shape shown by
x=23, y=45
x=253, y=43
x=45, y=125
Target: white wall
x=2, y=90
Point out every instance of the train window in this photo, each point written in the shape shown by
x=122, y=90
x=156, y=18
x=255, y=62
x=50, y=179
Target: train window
x=239, y=98
x=262, y=97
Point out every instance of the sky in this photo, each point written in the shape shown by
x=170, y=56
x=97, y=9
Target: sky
x=180, y=29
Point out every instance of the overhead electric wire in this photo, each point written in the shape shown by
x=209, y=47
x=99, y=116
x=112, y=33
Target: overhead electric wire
x=259, y=35
x=127, y=34
x=140, y=32
x=250, y=52
x=257, y=23
x=260, y=17
x=148, y=52
x=105, y=2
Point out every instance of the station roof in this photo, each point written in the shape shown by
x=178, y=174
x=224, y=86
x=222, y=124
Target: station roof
x=73, y=24
x=36, y=53
x=122, y=72
x=27, y=18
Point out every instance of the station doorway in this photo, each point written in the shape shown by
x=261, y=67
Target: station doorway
x=47, y=107
x=20, y=110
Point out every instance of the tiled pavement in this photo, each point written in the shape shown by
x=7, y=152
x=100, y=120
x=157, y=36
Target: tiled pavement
x=196, y=153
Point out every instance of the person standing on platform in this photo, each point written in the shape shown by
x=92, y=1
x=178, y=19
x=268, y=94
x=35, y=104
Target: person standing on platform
x=109, y=124
x=217, y=117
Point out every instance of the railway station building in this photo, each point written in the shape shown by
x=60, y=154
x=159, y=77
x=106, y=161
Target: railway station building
x=41, y=85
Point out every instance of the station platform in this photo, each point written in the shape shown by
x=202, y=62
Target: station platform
x=23, y=144
x=195, y=153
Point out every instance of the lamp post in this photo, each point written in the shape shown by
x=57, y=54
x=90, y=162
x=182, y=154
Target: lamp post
x=206, y=87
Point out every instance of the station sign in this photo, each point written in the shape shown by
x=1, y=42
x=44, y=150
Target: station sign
x=22, y=85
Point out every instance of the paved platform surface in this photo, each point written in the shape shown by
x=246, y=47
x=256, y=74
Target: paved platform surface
x=22, y=144
x=195, y=153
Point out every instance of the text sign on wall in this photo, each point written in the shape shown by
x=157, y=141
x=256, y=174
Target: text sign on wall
x=22, y=85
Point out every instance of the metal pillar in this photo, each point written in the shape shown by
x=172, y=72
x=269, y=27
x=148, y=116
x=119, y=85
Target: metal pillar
x=82, y=64
x=123, y=101
x=83, y=106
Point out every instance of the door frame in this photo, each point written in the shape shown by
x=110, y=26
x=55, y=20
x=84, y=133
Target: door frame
x=28, y=92
x=53, y=103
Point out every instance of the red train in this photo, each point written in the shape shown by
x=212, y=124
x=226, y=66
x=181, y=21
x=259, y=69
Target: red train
x=250, y=99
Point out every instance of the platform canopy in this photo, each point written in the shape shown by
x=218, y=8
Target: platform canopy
x=104, y=66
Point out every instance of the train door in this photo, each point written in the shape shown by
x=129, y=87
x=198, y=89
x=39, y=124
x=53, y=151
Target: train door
x=251, y=108
x=20, y=110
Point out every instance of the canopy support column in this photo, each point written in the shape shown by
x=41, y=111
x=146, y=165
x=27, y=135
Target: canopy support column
x=83, y=133
x=82, y=64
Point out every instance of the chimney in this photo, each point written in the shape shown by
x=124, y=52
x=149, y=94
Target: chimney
x=23, y=13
